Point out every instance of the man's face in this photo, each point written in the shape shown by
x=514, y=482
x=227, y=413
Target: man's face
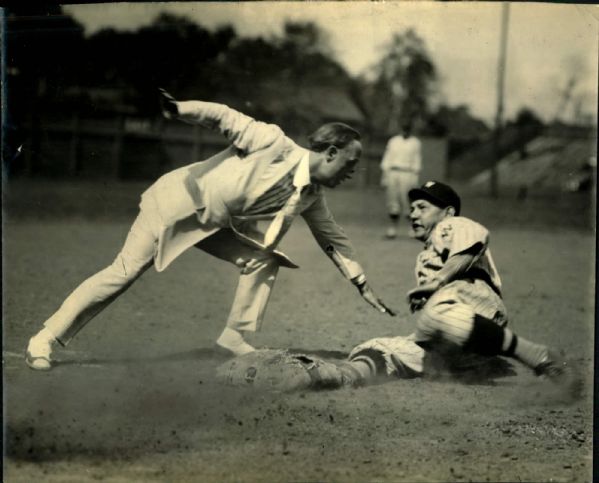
x=424, y=217
x=340, y=164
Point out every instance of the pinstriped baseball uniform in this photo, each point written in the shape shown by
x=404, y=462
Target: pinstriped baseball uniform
x=449, y=313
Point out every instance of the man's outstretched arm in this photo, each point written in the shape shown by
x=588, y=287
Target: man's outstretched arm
x=335, y=243
x=244, y=132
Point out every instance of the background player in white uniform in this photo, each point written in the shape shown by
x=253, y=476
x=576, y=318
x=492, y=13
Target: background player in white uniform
x=401, y=167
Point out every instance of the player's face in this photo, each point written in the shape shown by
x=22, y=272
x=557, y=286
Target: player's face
x=424, y=217
x=340, y=164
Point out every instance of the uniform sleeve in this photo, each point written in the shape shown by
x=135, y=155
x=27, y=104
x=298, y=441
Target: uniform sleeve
x=244, y=132
x=457, y=235
x=331, y=238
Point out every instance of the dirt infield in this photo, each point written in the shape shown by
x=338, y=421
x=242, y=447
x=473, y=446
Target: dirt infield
x=133, y=398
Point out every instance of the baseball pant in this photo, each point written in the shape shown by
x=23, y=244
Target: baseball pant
x=136, y=256
x=447, y=318
x=397, y=184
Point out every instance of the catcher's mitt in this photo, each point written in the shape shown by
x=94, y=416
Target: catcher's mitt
x=280, y=370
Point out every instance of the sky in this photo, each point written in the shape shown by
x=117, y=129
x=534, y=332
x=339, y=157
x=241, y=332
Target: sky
x=547, y=43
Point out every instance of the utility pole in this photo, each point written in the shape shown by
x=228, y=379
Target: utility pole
x=505, y=17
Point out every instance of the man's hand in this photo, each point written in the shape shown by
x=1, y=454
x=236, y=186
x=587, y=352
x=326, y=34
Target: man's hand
x=168, y=105
x=249, y=265
x=372, y=299
x=418, y=296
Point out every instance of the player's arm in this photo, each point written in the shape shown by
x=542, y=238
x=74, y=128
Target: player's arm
x=462, y=241
x=244, y=132
x=455, y=266
x=335, y=243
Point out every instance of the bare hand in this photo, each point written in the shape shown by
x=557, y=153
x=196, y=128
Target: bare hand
x=372, y=299
x=418, y=296
x=249, y=265
x=168, y=105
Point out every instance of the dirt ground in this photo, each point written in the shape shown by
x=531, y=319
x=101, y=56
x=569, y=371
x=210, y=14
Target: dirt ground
x=133, y=398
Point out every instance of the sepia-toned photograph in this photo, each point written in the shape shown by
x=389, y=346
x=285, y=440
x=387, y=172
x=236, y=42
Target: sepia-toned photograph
x=286, y=241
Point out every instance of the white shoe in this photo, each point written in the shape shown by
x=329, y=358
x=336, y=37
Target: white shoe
x=38, y=354
x=233, y=341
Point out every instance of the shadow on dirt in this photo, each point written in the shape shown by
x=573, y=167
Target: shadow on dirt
x=202, y=354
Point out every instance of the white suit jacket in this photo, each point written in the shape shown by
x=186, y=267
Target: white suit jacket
x=193, y=202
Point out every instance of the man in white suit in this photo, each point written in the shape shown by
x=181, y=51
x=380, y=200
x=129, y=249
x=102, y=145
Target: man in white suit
x=236, y=205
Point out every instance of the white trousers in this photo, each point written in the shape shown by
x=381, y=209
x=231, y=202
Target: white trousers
x=397, y=184
x=136, y=256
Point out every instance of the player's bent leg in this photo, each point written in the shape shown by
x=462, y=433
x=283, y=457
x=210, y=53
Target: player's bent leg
x=459, y=324
x=391, y=356
x=93, y=295
x=281, y=370
x=446, y=320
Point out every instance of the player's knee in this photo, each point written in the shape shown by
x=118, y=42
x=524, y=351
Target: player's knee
x=428, y=322
x=486, y=337
x=437, y=322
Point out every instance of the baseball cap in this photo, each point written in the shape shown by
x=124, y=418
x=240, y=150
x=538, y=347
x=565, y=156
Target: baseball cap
x=437, y=193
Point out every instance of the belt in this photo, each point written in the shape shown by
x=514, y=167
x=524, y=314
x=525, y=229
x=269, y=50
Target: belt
x=479, y=274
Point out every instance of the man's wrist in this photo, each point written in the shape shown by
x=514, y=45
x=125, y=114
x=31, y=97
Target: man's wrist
x=359, y=282
x=438, y=282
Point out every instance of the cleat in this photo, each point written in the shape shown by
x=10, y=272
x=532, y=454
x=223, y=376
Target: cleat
x=37, y=356
x=562, y=375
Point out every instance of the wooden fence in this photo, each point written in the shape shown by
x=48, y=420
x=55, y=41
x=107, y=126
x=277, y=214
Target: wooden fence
x=129, y=147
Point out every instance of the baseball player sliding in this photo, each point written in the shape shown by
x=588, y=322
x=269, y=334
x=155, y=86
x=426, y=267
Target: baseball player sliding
x=458, y=302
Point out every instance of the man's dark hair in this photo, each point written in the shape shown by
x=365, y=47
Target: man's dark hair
x=332, y=134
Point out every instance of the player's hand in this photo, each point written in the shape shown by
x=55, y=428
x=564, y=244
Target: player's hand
x=249, y=265
x=418, y=296
x=168, y=105
x=372, y=299
x=416, y=304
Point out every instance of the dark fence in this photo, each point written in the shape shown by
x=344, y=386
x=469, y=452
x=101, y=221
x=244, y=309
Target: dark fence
x=129, y=147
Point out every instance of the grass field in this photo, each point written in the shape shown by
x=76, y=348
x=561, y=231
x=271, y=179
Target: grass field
x=133, y=398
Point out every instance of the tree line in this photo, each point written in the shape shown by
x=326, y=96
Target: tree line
x=49, y=55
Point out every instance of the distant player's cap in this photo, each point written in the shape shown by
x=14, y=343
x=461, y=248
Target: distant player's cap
x=439, y=194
